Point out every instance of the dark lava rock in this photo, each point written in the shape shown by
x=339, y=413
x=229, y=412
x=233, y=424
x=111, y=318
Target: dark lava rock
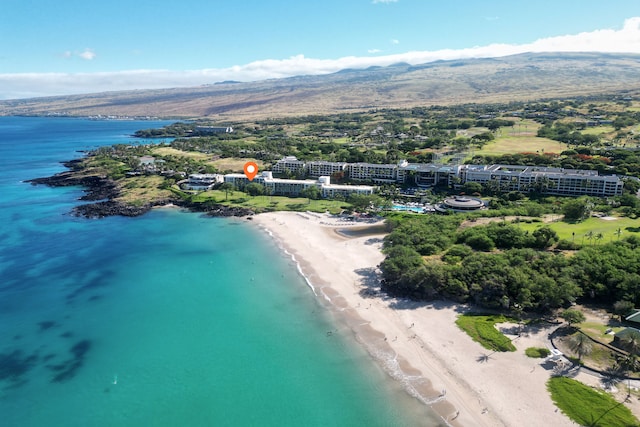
x=103, y=192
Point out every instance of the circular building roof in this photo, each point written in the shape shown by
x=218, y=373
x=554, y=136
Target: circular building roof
x=462, y=203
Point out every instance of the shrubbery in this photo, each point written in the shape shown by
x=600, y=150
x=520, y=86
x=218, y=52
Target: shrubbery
x=499, y=266
x=537, y=352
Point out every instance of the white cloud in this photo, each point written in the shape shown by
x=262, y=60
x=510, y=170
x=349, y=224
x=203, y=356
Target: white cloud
x=384, y=1
x=395, y=41
x=626, y=39
x=374, y=51
x=87, y=54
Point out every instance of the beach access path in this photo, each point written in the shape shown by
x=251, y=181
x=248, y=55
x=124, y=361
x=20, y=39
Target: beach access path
x=464, y=383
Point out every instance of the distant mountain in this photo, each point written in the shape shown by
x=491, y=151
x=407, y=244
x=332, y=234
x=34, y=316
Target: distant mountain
x=529, y=76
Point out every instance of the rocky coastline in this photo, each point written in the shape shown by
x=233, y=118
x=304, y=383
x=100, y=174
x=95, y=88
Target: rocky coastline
x=103, y=192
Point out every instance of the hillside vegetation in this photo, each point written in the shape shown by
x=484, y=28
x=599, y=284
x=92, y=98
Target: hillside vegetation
x=522, y=77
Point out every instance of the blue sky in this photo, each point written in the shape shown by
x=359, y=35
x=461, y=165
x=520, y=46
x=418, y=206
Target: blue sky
x=50, y=47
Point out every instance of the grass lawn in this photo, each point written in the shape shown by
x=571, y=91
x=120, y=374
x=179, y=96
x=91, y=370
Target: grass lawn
x=141, y=190
x=521, y=138
x=597, y=330
x=481, y=328
x=589, y=407
x=272, y=203
x=235, y=164
x=598, y=130
x=522, y=144
x=343, y=140
x=608, y=228
x=168, y=151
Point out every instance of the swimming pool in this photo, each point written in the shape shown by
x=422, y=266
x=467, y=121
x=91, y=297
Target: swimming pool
x=408, y=208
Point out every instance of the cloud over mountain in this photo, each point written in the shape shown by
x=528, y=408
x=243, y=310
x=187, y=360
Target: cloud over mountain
x=23, y=85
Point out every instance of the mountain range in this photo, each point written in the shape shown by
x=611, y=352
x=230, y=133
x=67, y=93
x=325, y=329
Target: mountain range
x=523, y=77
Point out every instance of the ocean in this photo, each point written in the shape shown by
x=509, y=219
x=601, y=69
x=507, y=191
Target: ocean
x=168, y=319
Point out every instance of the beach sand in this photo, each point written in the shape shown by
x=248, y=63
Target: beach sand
x=418, y=343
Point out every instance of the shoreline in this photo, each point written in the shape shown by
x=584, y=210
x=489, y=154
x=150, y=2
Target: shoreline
x=416, y=343
x=102, y=193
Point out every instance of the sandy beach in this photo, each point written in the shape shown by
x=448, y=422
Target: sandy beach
x=418, y=343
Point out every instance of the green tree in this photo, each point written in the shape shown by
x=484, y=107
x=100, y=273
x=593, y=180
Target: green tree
x=572, y=316
x=311, y=193
x=589, y=235
x=254, y=189
x=575, y=210
x=632, y=342
x=400, y=263
x=480, y=242
x=227, y=187
x=598, y=237
x=580, y=344
x=618, y=232
x=363, y=202
x=623, y=308
x=544, y=237
x=472, y=187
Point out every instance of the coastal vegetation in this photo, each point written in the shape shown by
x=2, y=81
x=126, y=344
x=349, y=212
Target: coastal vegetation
x=587, y=406
x=537, y=352
x=501, y=266
x=264, y=203
x=534, y=254
x=481, y=328
x=527, y=255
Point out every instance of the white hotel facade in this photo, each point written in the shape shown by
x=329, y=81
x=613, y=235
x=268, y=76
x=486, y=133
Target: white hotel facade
x=554, y=181
x=548, y=180
x=505, y=178
x=295, y=187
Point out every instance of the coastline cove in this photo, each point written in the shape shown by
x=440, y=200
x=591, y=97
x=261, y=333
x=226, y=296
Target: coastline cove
x=168, y=318
x=102, y=193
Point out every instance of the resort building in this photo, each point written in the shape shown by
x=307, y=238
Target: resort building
x=238, y=180
x=295, y=187
x=289, y=165
x=505, y=178
x=210, y=130
x=380, y=174
x=460, y=204
x=321, y=168
x=203, y=181
x=555, y=181
x=426, y=174
x=330, y=191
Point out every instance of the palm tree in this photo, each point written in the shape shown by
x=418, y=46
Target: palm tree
x=589, y=236
x=632, y=343
x=618, y=232
x=599, y=237
x=626, y=366
x=580, y=344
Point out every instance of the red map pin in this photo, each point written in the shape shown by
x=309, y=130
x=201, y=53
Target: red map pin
x=250, y=170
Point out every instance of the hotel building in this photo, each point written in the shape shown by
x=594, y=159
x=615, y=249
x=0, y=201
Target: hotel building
x=547, y=180
x=290, y=164
x=295, y=187
x=321, y=168
x=380, y=174
x=203, y=181
x=554, y=181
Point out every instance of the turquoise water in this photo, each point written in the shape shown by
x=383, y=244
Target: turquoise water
x=167, y=319
x=408, y=208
